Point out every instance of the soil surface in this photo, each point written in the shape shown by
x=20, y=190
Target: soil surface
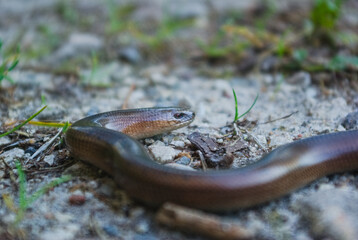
x=76, y=58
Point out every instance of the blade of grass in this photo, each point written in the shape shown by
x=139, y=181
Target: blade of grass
x=46, y=188
x=24, y=201
x=65, y=127
x=8, y=78
x=236, y=107
x=22, y=186
x=49, y=124
x=13, y=65
x=9, y=202
x=248, y=110
x=22, y=124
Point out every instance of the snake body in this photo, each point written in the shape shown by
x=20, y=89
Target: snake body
x=102, y=140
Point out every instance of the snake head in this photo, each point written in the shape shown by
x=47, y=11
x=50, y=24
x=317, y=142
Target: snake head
x=141, y=122
x=160, y=120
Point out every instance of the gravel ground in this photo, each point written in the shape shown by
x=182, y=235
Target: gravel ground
x=90, y=205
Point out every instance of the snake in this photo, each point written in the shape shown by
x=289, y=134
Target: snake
x=109, y=141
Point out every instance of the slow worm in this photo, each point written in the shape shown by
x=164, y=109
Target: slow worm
x=102, y=140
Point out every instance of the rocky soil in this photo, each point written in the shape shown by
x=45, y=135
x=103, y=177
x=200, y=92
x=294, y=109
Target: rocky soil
x=91, y=205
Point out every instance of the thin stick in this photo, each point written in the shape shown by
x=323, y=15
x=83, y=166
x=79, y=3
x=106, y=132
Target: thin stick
x=194, y=221
x=284, y=117
x=45, y=146
x=126, y=99
x=202, y=159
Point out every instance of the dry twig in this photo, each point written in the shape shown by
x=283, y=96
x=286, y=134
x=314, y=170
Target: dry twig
x=126, y=99
x=194, y=221
x=277, y=119
x=45, y=146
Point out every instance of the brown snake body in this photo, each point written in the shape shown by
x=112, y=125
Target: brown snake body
x=102, y=141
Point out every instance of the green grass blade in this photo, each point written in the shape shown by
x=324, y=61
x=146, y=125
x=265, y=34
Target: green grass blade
x=13, y=65
x=248, y=110
x=46, y=188
x=22, y=186
x=8, y=78
x=236, y=106
x=65, y=127
x=22, y=124
x=49, y=124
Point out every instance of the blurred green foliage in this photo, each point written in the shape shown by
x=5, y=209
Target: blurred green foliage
x=118, y=16
x=47, y=40
x=300, y=55
x=164, y=32
x=7, y=63
x=67, y=11
x=26, y=201
x=339, y=63
x=325, y=14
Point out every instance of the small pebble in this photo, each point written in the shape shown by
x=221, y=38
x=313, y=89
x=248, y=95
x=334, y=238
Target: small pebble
x=88, y=195
x=158, y=143
x=142, y=227
x=179, y=166
x=92, y=184
x=136, y=212
x=77, y=200
x=30, y=150
x=163, y=154
x=168, y=138
x=269, y=63
x=180, y=144
x=8, y=218
x=5, y=140
x=130, y=55
x=302, y=79
x=9, y=156
x=64, y=218
x=49, y=216
x=350, y=121
x=111, y=230
x=184, y=160
x=149, y=141
x=105, y=190
x=49, y=159
x=60, y=232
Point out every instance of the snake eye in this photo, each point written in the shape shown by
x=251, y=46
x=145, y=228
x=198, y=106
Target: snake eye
x=179, y=115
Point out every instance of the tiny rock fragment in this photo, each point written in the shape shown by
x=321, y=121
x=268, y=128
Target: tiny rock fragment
x=77, y=199
x=183, y=160
x=49, y=159
x=9, y=156
x=163, y=154
x=350, y=121
x=179, y=166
